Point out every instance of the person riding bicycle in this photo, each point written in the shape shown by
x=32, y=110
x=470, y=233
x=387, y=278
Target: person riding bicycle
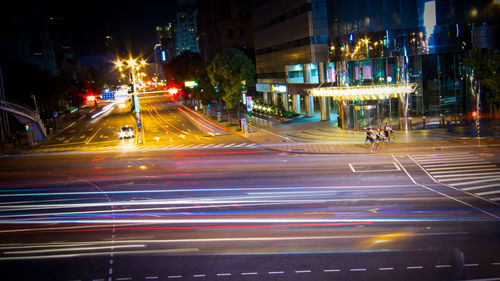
x=387, y=129
x=381, y=135
x=369, y=136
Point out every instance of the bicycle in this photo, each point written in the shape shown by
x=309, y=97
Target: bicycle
x=391, y=137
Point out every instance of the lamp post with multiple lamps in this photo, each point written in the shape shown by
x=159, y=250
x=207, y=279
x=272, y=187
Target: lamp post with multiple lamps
x=133, y=67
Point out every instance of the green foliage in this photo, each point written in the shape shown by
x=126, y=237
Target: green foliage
x=227, y=71
x=190, y=66
x=486, y=70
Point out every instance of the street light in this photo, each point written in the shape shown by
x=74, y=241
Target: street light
x=133, y=67
x=36, y=106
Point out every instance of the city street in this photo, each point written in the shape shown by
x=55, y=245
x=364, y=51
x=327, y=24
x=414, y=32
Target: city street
x=218, y=207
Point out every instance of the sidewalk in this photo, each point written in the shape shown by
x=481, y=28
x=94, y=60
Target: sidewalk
x=64, y=122
x=323, y=137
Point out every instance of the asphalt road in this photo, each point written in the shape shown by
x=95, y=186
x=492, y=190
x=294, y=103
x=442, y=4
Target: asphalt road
x=230, y=212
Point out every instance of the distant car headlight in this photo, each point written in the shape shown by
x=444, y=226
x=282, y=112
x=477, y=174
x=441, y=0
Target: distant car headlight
x=122, y=134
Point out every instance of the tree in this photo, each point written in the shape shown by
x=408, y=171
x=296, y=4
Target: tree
x=188, y=66
x=228, y=71
x=484, y=62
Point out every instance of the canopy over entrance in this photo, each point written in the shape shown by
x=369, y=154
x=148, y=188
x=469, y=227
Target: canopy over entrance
x=375, y=92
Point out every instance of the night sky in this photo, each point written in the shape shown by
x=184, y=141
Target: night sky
x=131, y=24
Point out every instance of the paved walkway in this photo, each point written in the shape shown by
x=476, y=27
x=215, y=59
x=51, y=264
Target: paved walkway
x=323, y=137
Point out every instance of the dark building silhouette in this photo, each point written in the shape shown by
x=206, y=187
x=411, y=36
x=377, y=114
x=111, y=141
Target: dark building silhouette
x=225, y=24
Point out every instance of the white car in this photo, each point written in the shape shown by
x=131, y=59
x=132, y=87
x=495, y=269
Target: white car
x=127, y=132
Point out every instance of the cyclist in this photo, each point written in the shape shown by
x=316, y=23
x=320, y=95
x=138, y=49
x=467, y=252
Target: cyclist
x=370, y=137
x=381, y=138
x=387, y=129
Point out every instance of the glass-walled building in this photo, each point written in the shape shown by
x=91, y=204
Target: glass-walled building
x=380, y=46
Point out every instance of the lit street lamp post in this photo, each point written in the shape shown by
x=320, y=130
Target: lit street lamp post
x=132, y=66
x=36, y=107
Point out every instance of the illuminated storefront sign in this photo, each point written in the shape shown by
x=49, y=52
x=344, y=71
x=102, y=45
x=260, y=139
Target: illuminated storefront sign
x=278, y=88
x=364, y=92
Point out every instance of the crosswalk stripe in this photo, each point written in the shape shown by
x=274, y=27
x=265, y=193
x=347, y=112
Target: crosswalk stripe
x=474, y=182
x=467, y=170
x=481, y=187
x=436, y=155
x=454, y=164
x=488, y=192
x=449, y=160
x=461, y=167
x=471, y=174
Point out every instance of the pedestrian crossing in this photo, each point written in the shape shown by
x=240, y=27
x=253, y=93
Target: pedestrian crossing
x=131, y=146
x=474, y=173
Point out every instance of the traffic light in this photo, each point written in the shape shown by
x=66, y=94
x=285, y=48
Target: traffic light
x=172, y=90
x=474, y=114
x=90, y=98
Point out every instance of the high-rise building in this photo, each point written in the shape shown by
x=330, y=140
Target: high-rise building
x=186, y=31
x=225, y=24
x=291, y=51
x=421, y=44
x=164, y=49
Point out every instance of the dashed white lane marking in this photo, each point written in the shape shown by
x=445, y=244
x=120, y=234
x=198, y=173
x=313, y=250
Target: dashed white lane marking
x=471, y=264
x=443, y=265
x=249, y=273
x=174, y=276
x=151, y=277
x=276, y=272
x=495, y=263
x=358, y=269
x=302, y=271
x=415, y=267
x=331, y=270
x=98, y=279
x=110, y=271
x=386, y=268
x=199, y=275
x=223, y=274
x=124, y=278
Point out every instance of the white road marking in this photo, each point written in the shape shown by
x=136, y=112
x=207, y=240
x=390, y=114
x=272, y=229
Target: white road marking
x=488, y=192
x=249, y=273
x=443, y=265
x=151, y=277
x=358, y=269
x=481, y=186
x=474, y=182
x=276, y=272
x=223, y=274
x=124, y=278
x=461, y=167
x=440, y=193
x=495, y=263
x=415, y=267
x=331, y=270
x=471, y=264
x=479, y=162
x=491, y=174
x=199, y=275
x=174, y=276
x=302, y=271
x=386, y=268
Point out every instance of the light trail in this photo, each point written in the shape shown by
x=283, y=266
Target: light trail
x=250, y=220
x=196, y=190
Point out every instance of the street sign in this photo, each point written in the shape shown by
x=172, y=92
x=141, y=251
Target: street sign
x=249, y=104
x=139, y=125
x=136, y=104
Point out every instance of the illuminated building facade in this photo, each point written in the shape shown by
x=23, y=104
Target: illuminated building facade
x=379, y=47
x=186, y=31
x=291, y=47
x=384, y=43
